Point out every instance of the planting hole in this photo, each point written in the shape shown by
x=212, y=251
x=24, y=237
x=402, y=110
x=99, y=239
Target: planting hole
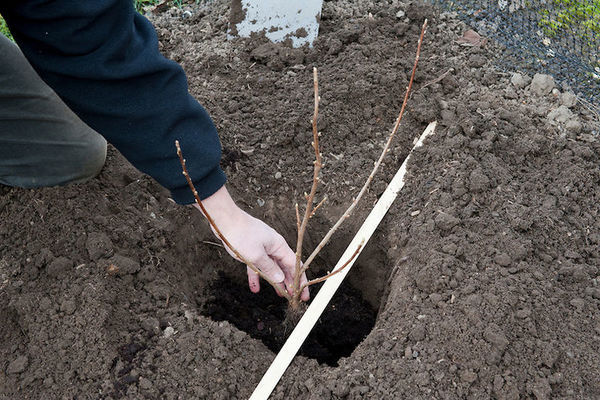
x=346, y=321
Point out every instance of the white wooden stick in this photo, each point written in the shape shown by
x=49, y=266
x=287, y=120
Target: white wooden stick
x=314, y=311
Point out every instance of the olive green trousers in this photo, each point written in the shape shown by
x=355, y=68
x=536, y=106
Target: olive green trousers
x=42, y=142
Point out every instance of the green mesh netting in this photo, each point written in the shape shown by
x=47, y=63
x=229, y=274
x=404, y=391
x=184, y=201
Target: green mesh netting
x=558, y=37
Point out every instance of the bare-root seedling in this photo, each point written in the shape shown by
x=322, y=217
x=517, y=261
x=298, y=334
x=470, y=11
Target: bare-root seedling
x=294, y=297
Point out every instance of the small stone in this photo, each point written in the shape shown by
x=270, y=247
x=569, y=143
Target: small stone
x=580, y=274
x=291, y=56
x=561, y=115
x=555, y=378
x=189, y=316
x=577, y=303
x=408, y=353
x=151, y=325
x=121, y=265
x=341, y=389
x=278, y=175
x=422, y=378
x=168, y=332
x=238, y=336
x=574, y=125
x=478, y=180
x=493, y=357
x=400, y=14
x=260, y=202
x=476, y=61
x=570, y=253
x=568, y=99
x=503, y=259
x=68, y=306
x=145, y=383
x=400, y=28
x=472, y=38
x=468, y=376
x=445, y=221
x=18, y=365
x=520, y=81
x=509, y=93
x=335, y=46
x=542, y=84
x=435, y=298
x=498, y=383
x=450, y=248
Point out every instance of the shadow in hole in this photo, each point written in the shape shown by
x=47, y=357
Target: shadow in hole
x=344, y=324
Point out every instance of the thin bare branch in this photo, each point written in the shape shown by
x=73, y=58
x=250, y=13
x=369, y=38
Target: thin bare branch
x=218, y=231
x=310, y=197
x=314, y=211
x=324, y=278
x=297, y=218
x=377, y=163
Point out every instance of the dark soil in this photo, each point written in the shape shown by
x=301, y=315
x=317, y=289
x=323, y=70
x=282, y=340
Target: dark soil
x=485, y=273
x=337, y=333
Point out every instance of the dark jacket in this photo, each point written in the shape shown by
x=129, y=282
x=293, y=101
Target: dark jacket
x=102, y=59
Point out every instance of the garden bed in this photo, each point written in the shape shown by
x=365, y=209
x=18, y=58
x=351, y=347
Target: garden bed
x=481, y=282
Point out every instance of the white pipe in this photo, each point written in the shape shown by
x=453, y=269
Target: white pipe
x=292, y=345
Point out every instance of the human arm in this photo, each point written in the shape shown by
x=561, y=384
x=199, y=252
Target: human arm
x=102, y=59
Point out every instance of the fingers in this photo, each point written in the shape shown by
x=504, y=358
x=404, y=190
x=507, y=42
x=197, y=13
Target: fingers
x=286, y=258
x=305, y=296
x=279, y=250
x=253, y=281
x=270, y=268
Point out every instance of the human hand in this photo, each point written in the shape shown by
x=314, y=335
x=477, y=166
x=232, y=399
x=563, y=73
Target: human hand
x=256, y=241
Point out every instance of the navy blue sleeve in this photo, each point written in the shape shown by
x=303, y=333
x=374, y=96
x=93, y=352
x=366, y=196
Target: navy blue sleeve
x=102, y=59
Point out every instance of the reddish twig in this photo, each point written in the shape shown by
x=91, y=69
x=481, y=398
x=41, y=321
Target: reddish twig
x=218, y=231
x=297, y=218
x=314, y=211
x=310, y=197
x=377, y=163
x=329, y=275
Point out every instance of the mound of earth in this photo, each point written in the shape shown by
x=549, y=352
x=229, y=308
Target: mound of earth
x=482, y=281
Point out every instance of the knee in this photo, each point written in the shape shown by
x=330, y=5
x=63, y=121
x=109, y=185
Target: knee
x=94, y=157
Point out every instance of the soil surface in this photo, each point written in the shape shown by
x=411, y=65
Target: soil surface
x=483, y=279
